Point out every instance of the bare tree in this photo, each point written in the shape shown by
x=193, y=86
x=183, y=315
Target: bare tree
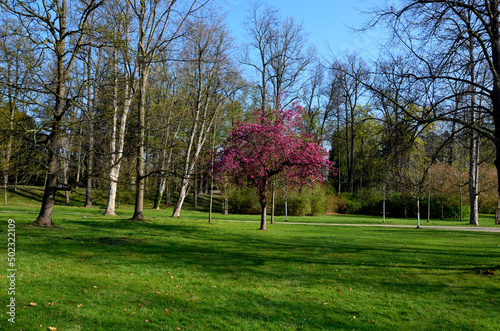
x=277, y=52
x=210, y=78
x=350, y=77
x=453, y=41
x=124, y=75
x=160, y=23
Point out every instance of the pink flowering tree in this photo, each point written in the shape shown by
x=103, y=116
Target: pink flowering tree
x=274, y=145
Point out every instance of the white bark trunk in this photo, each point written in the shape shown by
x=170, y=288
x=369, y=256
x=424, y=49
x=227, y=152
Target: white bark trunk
x=117, y=151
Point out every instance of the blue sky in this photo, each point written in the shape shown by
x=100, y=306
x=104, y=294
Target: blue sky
x=326, y=21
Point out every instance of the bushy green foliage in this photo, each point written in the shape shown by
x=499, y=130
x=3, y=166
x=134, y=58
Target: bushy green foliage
x=369, y=201
x=335, y=203
x=244, y=200
x=308, y=201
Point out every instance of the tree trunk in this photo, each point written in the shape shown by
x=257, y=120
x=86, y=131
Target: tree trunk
x=141, y=163
x=90, y=128
x=195, y=191
x=79, y=153
x=495, y=95
x=65, y=164
x=351, y=155
x=474, y=145
x=461, y=205
x=383, y=207
x=263, y=206
x=182, y=197
x=263, y=214
x=45, y=216
x=117, y=145
x=225, y=211
x=8, y=151
x=54, y=139
x=162, y=184
x=272, y=208
x=429, y=207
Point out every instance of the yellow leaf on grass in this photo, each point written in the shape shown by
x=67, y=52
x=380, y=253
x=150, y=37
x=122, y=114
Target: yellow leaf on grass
x=166, y=310
x=51, y=328
x=33, y=304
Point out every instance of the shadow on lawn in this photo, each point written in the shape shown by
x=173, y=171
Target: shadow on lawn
x=200, y=245
x=241, y=254
x=31, y=194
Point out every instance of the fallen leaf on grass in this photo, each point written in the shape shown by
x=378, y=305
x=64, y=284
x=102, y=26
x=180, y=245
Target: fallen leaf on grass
x=33, y=304
x=147, y=321
x=325, y=303
x=51, y=328
x=79, y=305
x=487, y=272
x=51, y=303
x=166, y=310
x=338, y=290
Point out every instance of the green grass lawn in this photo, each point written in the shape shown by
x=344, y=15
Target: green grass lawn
x=110, y=273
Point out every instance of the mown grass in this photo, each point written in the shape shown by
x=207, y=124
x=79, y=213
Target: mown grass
x=110, y=273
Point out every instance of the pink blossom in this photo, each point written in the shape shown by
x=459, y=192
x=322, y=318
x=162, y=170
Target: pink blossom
x=275, y=145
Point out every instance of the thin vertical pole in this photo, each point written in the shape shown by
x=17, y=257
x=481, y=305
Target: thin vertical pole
x=418, y=212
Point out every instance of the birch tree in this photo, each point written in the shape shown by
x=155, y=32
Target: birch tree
x=124, y=78
x=159, y=24
x=209, y=76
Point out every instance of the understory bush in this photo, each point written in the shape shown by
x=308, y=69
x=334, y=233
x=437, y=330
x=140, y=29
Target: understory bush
x=369, y=201
x=308, y=201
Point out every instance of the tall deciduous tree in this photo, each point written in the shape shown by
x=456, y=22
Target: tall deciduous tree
x=277, y=50
x=160, y=23
x=256, y=153
x=453, y=42
x=211, y=79
x=59, y=32
x=350, y=75
x=127, y=83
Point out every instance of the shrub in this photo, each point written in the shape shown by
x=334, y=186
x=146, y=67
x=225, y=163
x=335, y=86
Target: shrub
x=335, y=203
x=244, y=200
x=308, y=201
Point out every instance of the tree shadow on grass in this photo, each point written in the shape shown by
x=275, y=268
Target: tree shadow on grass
x=294, y=260
x=31, y=194
x=200, y=245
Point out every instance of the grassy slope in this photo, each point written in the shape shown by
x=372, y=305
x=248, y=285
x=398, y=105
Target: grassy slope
x=98, y=273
